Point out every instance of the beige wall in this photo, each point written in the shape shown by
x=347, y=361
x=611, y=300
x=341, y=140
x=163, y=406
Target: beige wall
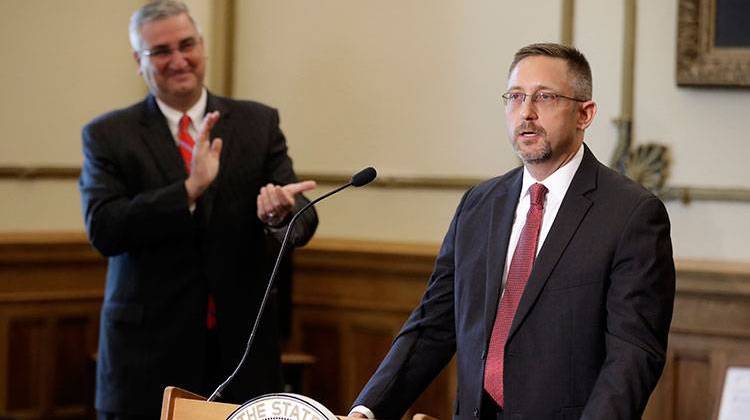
x=411, y=87
x=62, y=65
x=598, y=32
x=706, y=130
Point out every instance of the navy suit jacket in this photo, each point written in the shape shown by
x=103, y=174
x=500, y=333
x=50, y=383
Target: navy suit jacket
x=590, y=333
x=163, y=259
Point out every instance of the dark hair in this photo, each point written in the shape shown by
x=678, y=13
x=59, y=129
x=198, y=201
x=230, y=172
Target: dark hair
x=578, y=66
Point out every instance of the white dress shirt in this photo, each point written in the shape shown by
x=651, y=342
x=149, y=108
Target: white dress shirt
x=196, y=113
x=173, y=116
x=557, y=185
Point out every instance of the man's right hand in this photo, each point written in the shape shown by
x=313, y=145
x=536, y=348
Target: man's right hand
x=360, y=412
x=205, y=164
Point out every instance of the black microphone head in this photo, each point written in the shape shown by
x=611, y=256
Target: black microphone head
x=364, y=177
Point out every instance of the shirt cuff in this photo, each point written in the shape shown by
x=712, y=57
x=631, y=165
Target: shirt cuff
x=361, y=409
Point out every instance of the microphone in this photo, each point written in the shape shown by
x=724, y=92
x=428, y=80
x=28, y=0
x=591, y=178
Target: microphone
x=361, y=178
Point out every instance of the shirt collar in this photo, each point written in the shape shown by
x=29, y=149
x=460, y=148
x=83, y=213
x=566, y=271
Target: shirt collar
x=195, y=113
x=557, y=184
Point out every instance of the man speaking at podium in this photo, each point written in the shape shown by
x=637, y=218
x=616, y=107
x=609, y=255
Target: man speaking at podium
x=180, y=191
x=555, y=283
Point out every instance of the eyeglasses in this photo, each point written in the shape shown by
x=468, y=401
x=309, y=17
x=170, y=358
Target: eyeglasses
x=544, y=100
x=163, y=53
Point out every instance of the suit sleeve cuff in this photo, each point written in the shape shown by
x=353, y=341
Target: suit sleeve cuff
x=361, y=409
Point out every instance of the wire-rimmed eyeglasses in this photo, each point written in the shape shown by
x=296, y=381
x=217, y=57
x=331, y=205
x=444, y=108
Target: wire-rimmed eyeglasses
x=163, y=52
x=543, y=99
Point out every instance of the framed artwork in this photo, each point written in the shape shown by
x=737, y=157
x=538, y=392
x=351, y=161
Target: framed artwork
x=713, y=43
x=734, y=391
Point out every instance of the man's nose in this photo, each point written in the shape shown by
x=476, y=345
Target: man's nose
x=179, y=60
x=528, y=109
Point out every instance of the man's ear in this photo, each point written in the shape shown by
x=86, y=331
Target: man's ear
x=137, y=58
x=586, y=113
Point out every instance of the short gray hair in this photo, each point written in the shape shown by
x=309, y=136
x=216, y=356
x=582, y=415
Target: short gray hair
x=155, y=10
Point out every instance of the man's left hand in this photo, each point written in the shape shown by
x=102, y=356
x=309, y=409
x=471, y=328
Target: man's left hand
x=276, y=202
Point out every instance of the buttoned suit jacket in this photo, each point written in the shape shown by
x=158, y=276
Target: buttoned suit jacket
x=163, y=259
x=589, y=337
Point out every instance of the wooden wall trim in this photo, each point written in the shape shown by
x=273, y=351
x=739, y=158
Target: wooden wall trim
x=693, y=267
x=30, y=172
x=346, y=253
x=362, y=275
x=716, y=278
x=45, y=247
x=49, y=267
x=376, y=257
x=388, y=260
x=684, y=193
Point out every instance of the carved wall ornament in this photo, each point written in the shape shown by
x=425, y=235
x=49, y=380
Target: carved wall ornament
x=648, y=164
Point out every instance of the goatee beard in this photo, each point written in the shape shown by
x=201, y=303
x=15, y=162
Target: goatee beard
x=534, y=157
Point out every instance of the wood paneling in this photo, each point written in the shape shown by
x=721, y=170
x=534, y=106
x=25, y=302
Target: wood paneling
x=350, y=299
x=711, y=323
x=50, y=292
x=323, y=341
x=363, y=292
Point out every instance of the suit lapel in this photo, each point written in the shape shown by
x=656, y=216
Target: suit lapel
x=222, y=130
x=155, y=134
x=223, y=127
x=502, y=213
x=573, y=209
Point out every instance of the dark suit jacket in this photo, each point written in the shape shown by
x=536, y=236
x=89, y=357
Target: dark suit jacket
x=163, y=260
x=590, y=334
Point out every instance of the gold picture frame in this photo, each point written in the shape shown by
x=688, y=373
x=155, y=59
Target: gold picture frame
x=700, y=62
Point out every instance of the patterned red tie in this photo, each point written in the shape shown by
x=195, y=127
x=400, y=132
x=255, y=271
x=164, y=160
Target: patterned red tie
x=186, y=141
x=186, y=150
x=518, y=275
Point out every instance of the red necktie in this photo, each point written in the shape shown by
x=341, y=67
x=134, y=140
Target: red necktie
x=186, y=141
x=186, y=150
x=518, y=275
x=211, y=313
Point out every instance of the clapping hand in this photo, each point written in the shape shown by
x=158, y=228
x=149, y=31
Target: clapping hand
x=205, y=164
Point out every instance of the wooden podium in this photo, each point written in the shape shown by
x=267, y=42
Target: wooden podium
x=179, y=404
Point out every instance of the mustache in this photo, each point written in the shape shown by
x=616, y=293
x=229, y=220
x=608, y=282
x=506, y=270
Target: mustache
x=529, y=127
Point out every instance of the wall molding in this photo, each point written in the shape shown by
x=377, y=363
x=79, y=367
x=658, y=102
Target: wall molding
x=567, y=23
x=688, y=194
x=221, y=51
x=685, y=194
x=31, y=172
